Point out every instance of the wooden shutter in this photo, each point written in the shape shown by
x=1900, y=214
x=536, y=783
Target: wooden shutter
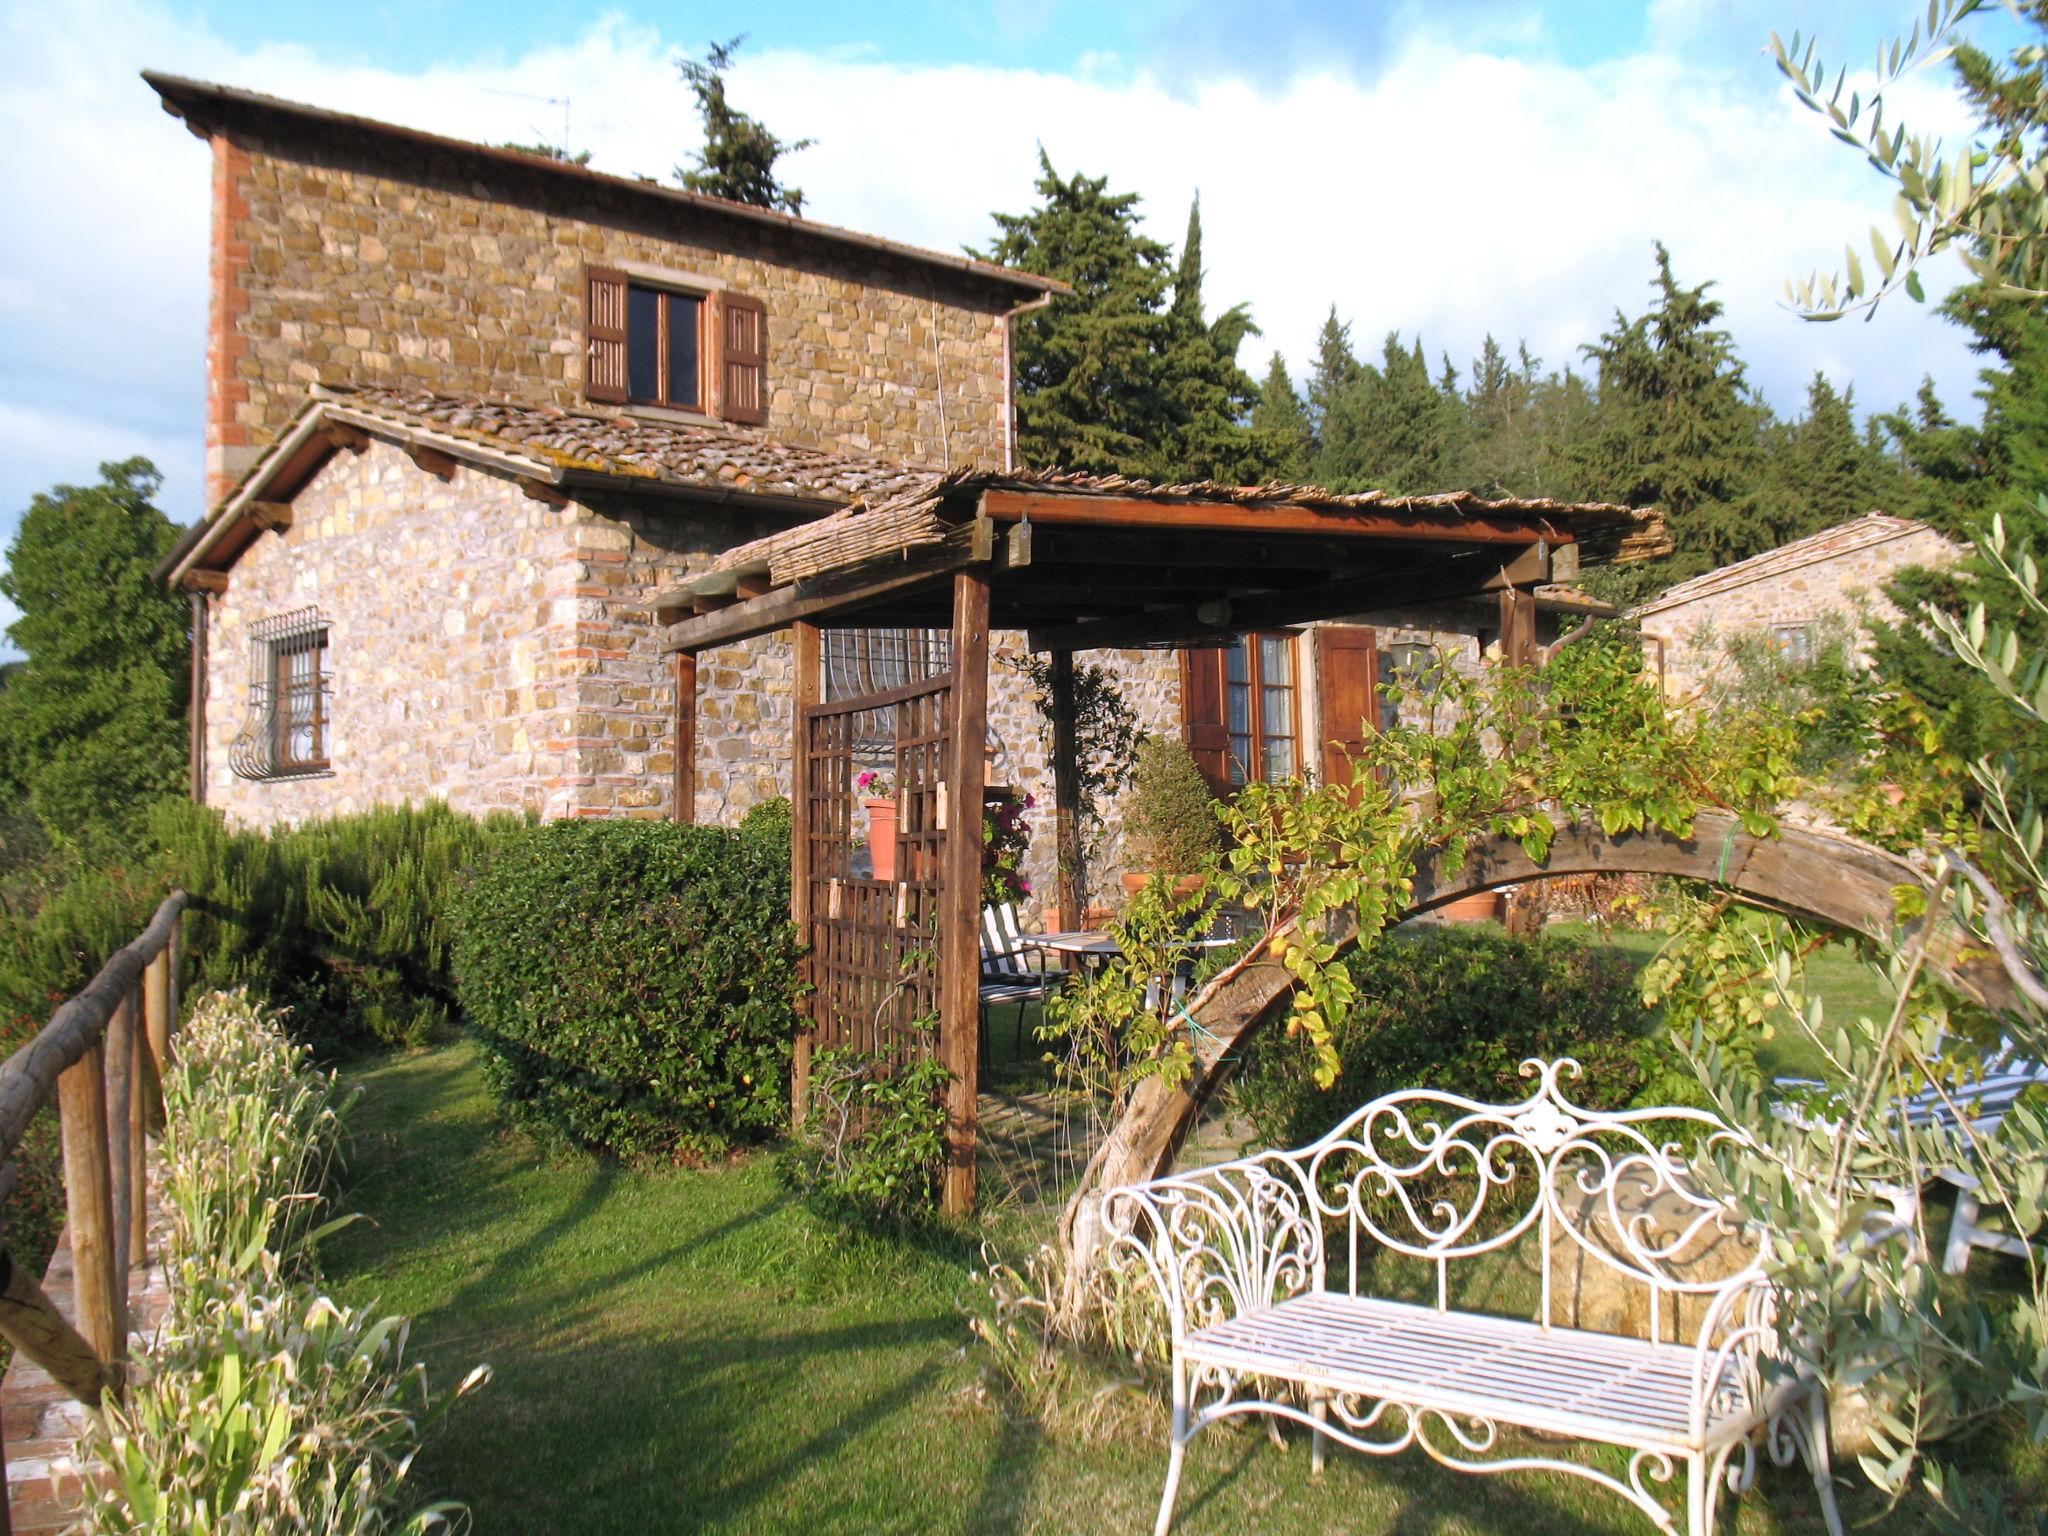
x=1348, y=690
x=743, y=360
x=604, y=340
x=1203, y=701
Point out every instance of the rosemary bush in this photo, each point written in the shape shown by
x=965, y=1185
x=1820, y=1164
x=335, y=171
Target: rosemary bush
x=261, y=1406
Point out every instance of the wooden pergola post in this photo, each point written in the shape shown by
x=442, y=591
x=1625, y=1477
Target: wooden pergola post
x=960, y=884
x=1072, y=885
x=686, y=738
x=1517, y=627
x=807, y=692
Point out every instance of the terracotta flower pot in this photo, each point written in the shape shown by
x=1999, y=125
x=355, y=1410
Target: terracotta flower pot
x=1482, y=907
x=882, y=837
x=1183, y=885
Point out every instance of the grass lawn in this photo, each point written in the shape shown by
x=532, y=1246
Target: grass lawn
x=692, y=1351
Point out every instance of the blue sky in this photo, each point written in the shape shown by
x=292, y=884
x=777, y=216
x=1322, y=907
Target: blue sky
x=1456, y=169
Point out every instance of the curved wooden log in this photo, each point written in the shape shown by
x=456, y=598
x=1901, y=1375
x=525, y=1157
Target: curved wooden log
x=1823, y=877
x=28, y=1079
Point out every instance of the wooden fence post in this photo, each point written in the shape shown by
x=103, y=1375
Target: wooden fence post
x=119, y=1065
x=82, y=1104
x=159, y=986
x=141, y=1095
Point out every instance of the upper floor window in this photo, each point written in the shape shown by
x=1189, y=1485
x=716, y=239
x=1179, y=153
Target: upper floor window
x=648, y=343
x=287, y=730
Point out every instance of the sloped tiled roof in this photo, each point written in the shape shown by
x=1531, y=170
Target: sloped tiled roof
x=858, y=500
x=1830, y=543
x=711, y=455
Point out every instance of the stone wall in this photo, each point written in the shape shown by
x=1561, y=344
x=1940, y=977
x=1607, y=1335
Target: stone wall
x=1847, y=586
x=483, y=647
x=367, y=258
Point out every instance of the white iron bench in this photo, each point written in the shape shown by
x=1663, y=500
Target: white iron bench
x=1265, y=1320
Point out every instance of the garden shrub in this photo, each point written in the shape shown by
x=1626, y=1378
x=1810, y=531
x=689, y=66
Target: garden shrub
x=634, y=983
x=770, y=820
x=1457, y=1009
x=343, y=921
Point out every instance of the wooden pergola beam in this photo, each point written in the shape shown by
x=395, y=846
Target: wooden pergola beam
x=839, y=591
x=1475, y=573
x=1053, y=509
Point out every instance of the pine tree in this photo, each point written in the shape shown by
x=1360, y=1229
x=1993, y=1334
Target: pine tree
x=1821, y=472
x=92, y=722
x=1090, y=376
x=1964, y=475
x=1392, y=427
x=1335, y=370
x=1680, y=429
x=739, y=153
x=1281, y=421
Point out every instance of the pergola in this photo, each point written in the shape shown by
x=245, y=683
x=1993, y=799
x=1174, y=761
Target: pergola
x=1077, y=563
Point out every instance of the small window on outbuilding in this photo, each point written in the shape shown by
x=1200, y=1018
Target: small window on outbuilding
x=1793, y=643
x=288, y=728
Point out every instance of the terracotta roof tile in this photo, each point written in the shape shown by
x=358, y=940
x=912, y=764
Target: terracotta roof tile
x=711, y=455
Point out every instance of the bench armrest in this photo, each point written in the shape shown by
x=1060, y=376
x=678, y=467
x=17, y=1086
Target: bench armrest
x=1220, y=1242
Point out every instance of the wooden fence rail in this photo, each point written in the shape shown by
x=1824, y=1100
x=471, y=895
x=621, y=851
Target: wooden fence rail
x=101, y=1059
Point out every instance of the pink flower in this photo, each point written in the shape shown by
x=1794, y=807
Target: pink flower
x=1023, y=885
x=1030, y=801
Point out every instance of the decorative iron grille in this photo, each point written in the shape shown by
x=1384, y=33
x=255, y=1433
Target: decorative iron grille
x=284, y=732
x=858, y=662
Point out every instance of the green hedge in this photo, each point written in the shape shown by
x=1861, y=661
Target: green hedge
x=634, y=983
x=343, y=921
x=1458, y=1009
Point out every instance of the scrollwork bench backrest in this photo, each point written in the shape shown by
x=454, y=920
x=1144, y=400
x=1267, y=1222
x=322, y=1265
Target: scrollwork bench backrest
x=1598, y=1201
x=1614, y=1197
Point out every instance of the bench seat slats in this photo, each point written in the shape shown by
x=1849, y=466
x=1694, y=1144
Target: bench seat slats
x=1494, y=1367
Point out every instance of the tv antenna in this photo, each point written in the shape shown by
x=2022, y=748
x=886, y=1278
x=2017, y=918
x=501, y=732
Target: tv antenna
x=552, y=101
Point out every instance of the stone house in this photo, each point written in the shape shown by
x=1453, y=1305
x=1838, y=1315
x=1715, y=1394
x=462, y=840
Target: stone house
x=468, y=408
x=1789, y=593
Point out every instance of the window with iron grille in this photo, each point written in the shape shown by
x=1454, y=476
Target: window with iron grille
x=286, y=732
x=856, y=662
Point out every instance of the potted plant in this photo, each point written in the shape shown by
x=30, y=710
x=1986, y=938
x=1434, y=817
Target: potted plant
x=1169, y=817
x=880, y=799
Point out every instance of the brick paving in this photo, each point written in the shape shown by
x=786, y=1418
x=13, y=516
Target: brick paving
x=41, y=1421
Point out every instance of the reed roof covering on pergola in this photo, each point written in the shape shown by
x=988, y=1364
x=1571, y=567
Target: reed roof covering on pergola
x=1087, y=561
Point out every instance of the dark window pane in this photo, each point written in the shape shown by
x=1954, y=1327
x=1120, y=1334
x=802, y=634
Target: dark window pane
x=643, y=343
x=684, y=314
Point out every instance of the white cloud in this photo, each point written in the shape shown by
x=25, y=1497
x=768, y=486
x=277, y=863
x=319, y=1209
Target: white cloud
x=1454, y=193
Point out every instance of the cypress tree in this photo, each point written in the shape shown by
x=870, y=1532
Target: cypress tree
x=1821, y=471
x=739, y=153
x=1210, y=397
x=1334, y=371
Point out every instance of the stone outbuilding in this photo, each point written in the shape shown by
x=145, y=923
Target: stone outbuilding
x=1787, y=594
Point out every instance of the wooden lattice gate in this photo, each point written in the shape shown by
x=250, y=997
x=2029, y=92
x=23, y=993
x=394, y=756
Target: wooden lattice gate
x=894, y=963
x=874, y=957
